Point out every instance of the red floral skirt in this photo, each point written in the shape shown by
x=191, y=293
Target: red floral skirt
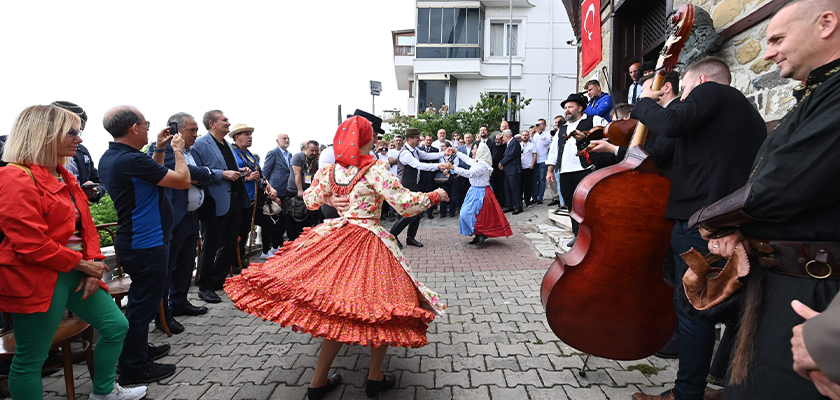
x=346, y=286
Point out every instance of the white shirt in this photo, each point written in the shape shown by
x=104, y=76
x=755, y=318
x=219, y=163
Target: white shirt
x=195, y=196
x=528, y=151
x=394, y=153
x=542, y=143
x=437, y=143
x=478, y=174
x=570, y=161
x=327, y=157
x=630, y=98
x=411, y=157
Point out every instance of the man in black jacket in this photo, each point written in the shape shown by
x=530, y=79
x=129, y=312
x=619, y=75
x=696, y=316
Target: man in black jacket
x=81, y=165
x=511, y=165
x=718, y=133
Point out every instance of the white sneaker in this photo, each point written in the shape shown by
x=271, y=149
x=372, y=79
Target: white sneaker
x=121, y=393
x=266, y=256
x=272, y=251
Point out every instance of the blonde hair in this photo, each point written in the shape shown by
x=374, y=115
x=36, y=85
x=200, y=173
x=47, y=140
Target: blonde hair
x=37, y=134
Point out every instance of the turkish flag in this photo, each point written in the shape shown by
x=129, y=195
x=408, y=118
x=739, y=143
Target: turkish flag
x=590, y=35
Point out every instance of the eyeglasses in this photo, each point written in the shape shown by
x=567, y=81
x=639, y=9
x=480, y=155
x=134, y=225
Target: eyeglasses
x=148, y=124
x=541, y=124
x=74, y=133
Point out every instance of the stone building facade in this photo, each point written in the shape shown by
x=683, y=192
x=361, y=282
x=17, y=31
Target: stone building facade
x=741, y=24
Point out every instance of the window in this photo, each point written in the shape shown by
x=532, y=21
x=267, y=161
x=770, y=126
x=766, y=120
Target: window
x=450, y=32
x=499, y=39
x=405, y=45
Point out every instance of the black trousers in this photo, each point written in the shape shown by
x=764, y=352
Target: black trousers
x=219, y=233
x=527, y=185
x=568, y=183
x=266, y=232
x=513, y=191
x=181, y=261
x=448, y=207
x=497, y=182
x=413, y=223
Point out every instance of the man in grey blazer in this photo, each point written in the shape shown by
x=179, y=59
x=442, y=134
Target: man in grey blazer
x=277, y=168
x=221, y=212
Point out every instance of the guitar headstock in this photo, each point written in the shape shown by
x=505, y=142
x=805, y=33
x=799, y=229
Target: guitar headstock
x=681, y=24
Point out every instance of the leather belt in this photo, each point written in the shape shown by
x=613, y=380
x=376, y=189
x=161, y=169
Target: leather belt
x=817, y=260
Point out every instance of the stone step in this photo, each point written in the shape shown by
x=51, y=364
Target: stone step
x=562, y=221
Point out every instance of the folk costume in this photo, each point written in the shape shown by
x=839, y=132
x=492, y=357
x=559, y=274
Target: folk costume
x=481, y=213
x=790, y=210
x=346, y=280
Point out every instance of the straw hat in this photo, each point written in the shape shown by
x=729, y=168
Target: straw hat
x=240, y=128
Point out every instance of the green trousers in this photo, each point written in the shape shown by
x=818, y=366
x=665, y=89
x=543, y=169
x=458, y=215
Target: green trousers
x=34, y=334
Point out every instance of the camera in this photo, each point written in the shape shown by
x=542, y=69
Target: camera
x=173, y=128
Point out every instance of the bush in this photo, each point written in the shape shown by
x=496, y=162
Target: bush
x=104, y=213
x=489, y=110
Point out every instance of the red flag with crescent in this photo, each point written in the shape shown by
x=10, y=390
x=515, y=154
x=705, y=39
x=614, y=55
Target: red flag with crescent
x=590, y=35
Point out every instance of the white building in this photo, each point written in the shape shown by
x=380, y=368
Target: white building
x=459, y=50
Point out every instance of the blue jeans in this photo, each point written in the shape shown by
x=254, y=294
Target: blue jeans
x=557, y=181
x=148, y=269
x=697, y=337
x=540, y=169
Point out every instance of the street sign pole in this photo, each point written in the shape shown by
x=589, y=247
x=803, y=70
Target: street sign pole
x=375, y=89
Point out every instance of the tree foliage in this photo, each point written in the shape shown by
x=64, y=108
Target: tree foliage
x=489, y=110
x=104, y=213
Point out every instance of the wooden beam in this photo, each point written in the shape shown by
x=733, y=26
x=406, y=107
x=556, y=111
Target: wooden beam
x=753, y=19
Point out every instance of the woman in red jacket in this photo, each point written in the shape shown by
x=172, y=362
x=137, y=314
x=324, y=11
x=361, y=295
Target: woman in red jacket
x=49, y=254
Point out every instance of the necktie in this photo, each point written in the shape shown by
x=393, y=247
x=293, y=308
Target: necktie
x=288, y=159
x=635, y=88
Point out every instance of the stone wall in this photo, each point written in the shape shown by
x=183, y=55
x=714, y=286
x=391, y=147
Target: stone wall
x=758, y=79
x=605, y=54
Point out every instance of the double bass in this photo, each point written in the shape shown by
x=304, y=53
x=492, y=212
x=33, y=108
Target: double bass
x=606, y=296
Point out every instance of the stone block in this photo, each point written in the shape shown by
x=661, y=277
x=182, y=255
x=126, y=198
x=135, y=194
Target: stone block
x=726, y=12
x=434, y=363
x=761, y=66
x=445, y=379
x=590, y=393
x=479, y=393
x=748, y=51
x=516, y=378
x=434, y=394
x=425, y=379
x=518, y=392
x=552, y=393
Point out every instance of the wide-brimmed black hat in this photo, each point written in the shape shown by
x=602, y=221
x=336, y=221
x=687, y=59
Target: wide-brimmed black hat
x=577, y=98
x=375, y=121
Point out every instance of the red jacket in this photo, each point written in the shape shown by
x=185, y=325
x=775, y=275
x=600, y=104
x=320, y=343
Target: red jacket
x=37, y=220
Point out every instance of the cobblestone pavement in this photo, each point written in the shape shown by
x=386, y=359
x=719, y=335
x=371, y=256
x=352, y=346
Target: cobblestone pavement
x=493, y=343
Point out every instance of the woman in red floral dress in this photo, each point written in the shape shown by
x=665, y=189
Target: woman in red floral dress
x=346, y=280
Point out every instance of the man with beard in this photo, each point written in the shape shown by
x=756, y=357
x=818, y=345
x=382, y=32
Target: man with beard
x=562, y=155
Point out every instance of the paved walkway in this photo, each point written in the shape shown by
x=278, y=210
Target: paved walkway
x=493, y=343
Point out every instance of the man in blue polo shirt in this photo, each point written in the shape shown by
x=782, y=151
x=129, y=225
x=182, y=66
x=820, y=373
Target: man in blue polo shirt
x=136, y=183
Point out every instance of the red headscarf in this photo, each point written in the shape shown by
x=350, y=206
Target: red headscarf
x=351, y=135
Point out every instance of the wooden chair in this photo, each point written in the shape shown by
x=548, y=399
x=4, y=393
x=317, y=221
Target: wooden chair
x=70, y=330
x=120, y=284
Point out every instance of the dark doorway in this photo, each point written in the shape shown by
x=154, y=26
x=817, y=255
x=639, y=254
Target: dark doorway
x=639, y=31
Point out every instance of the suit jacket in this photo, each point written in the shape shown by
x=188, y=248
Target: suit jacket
x=88, y=172
x=512, y=159
x=718, y=134
x=180, y=197
x=820, y=334
x=277, y=170
x=207, y=154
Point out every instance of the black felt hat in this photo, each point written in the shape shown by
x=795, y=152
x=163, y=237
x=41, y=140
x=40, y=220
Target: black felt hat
x=577, y=98
x=375, y=121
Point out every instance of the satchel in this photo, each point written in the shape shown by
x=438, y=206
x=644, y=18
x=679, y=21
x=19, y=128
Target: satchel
x=295, y=208
x=713, y=293
x=441, y=178
x=271, y=208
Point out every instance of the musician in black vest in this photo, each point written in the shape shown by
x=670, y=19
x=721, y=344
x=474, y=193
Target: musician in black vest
x=408, y=168
x=563, y=152
x=718, y=133
x=427, y=178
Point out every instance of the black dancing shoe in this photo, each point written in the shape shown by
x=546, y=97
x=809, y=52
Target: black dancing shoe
x=318, y=393
x=475, y=240
x=413, y=242
x=399, y=244
x=373, y=388
x=481, y=239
